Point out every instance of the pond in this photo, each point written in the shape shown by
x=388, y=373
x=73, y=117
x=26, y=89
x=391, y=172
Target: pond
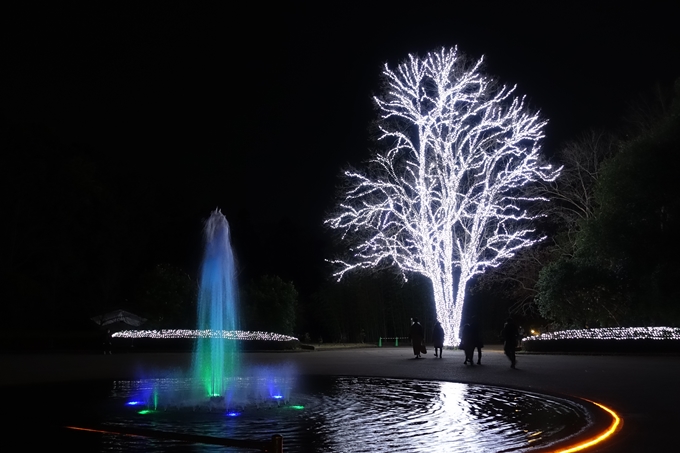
x=318, y=414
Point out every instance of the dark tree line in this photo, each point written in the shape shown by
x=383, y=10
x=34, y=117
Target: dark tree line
x=624, y=270
x=84, y=232
x=612, y=229
x=65, y=235
x=366, y=308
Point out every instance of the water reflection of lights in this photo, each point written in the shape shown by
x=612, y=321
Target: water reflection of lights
x=446, y=415
x=452, y=406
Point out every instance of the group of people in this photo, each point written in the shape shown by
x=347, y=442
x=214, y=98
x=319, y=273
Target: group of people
x=471, y=340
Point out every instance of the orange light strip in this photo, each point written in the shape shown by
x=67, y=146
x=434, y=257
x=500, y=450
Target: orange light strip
x=596, y=440
x=101, y=431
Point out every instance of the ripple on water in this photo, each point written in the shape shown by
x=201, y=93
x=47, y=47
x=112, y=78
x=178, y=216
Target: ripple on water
x=357, y=414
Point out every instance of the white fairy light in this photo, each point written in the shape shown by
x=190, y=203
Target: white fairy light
x=205, y=333
x=444, y=200
x=610, y=333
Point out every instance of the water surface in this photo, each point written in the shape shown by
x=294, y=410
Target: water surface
x=346, y=414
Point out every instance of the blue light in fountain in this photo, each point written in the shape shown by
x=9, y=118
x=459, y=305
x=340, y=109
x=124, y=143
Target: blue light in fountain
x=215, y=359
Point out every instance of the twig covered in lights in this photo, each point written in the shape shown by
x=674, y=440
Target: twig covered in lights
x=205, y=333
x=445, y=199
x=611, y=333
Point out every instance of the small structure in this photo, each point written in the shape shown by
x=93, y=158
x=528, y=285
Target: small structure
x=118, y=320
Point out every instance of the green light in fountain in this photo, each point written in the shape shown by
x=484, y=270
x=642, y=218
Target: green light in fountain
x=155, y=398
x=215, y=359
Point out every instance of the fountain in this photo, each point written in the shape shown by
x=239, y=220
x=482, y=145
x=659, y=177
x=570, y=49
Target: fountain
x=217, y=383
x=215, y=361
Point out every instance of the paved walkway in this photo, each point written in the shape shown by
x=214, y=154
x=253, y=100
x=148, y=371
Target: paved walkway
x=644, y=390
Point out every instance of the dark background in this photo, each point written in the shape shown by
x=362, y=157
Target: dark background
x=125, y=125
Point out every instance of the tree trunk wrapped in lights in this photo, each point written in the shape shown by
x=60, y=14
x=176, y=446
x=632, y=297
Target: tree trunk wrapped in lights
x=446, y=198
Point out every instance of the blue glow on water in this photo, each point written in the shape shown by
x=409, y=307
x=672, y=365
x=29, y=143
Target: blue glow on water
x=133, y=403
x=277, y=397
x=233, y=414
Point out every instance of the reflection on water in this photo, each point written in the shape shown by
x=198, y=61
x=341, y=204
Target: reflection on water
x=365, y=414
x=350, y=414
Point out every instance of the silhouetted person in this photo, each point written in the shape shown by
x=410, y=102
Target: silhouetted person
x=509, y=335
x=416, y=335
x=468, y=343
x=438, y=338
x=478, y=342
x=106, y=341
x=520, y=335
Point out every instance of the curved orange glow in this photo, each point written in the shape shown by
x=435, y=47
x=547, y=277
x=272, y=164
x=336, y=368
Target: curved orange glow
x=596, y=440
x=102, y=431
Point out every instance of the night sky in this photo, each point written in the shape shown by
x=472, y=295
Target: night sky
x=256, y=109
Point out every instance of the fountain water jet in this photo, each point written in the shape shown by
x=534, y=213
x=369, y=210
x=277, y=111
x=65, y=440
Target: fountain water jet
x=215, y=360
x=218, y=382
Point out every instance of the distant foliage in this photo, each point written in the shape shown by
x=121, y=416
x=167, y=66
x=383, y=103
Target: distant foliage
x=167, y=298
x=624, y=270
x=578, y=293
x=369, y=307
x=269, y=304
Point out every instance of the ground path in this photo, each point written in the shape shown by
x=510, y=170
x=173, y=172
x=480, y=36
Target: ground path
x=644, y=390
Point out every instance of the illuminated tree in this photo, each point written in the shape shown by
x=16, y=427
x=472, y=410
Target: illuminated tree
x=447, y=198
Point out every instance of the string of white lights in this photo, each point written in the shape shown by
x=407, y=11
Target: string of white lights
x=611, y=333
x=204, y=333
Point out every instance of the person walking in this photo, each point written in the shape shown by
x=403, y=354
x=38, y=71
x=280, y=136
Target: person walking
x=520, y=335
x=106, y=341
x=468, y=344
x=416, y=334
x=478, y=342
x=509, y=335
x=438, y=338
